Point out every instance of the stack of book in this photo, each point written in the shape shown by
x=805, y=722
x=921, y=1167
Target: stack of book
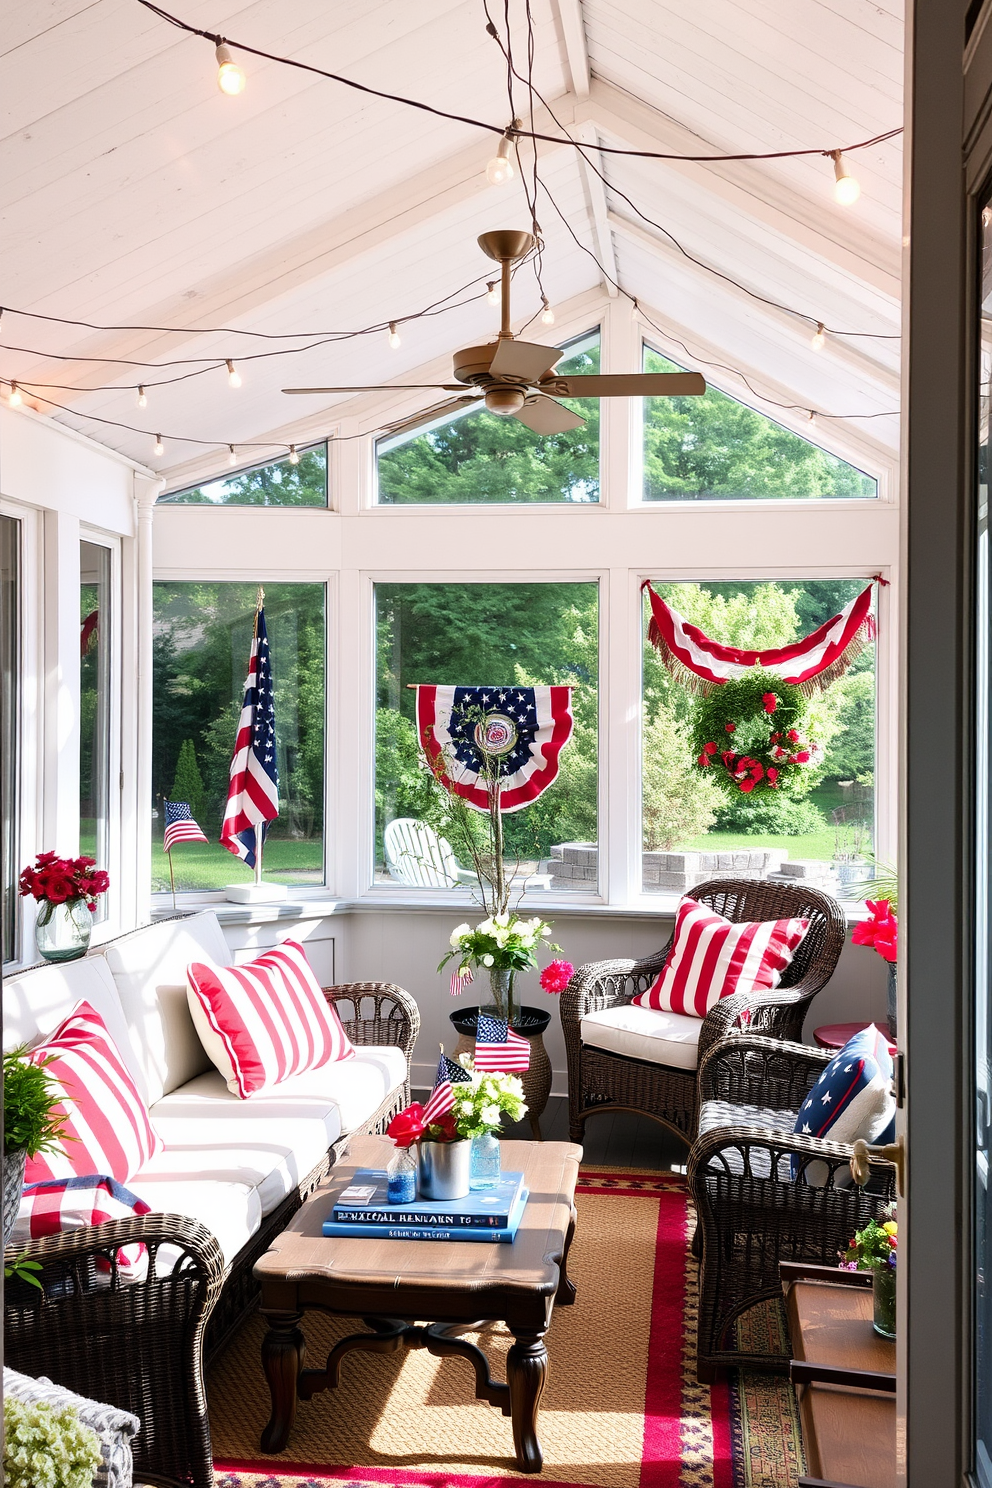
x=491, y=1215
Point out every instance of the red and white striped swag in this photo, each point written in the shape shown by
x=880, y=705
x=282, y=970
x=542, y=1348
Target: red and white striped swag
x=711, y=958
x=105, y=1115
x=267, y=1021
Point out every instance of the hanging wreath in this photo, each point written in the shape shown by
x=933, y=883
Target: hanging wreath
x=748, y=734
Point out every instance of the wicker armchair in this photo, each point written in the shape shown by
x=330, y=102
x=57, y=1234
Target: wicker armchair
x=751, y=1211
x=599, y=1080
x=141, y=1345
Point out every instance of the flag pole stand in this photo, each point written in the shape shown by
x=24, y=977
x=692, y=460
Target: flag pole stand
x=256, y=892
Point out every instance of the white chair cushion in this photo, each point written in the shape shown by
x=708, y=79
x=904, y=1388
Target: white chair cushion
x=644, y=1033
x=271, y=1142
x=231, y=1211
x=149, y=968
x=716, y=1114
x=37, y=1001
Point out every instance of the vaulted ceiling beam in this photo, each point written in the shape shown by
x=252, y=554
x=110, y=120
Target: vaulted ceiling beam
x=598, y=209
x=573, y=30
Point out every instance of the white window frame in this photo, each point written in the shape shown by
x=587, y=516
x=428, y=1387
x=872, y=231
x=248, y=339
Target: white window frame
x=117, y=896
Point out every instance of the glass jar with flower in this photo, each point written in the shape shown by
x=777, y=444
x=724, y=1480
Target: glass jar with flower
x=502, y=944
x=67, y=889
x=479, y=1108
x=444, y=1140
x=875, y=1249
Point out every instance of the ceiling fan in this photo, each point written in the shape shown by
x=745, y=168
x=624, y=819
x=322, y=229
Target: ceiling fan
x=517, y=378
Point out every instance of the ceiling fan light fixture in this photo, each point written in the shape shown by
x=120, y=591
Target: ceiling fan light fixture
x=505, y=401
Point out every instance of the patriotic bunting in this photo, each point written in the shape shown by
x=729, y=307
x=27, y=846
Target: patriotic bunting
x=812, y=664
x=516, y=733
x=442, y=1097
x=498, y=1048
x=253, y=789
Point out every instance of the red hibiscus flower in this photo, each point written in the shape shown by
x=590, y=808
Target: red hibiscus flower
x=881, y=932
x=770, y=702
x=556, y=976
x=408, y=1126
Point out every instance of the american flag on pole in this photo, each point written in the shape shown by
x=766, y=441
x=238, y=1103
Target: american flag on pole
x=253, y=790
x=498, y=1048
x=179, y=825
x=442, y=1096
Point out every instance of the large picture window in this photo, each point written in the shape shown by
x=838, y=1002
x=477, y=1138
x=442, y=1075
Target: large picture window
x=463, y=634
x=288, y=482
x=826, y=826
x=202, y=639
x=714, y=448
x=478, y=457
x=10, y=712
x=96, y=618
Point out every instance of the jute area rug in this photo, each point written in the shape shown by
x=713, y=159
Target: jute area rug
x=621, y=1409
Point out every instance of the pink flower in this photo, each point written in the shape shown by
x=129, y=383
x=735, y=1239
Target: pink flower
x=556, y=976
x=881, y=932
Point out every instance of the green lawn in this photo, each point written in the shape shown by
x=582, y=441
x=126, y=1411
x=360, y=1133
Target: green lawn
x=207, y=865
x=814, y=845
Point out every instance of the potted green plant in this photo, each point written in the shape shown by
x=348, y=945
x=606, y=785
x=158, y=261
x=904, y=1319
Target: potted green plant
x=33, y=1122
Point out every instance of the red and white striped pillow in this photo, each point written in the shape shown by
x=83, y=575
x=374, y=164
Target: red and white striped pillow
x=711, y=957
x=266, y=1021
x=104, y=1113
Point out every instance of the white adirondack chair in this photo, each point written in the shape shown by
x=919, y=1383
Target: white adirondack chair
x=417, y=856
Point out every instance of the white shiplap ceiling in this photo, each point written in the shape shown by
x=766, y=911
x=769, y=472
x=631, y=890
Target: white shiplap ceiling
x=135, y=193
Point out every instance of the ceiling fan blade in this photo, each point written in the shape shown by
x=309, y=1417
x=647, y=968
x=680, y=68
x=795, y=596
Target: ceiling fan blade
x=524, y=360
x=547, y=416
x=630, y=385
x=387, y=387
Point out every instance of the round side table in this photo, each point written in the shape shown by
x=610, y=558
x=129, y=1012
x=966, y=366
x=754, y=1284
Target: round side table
x=536, y=1079
x=836, y=1035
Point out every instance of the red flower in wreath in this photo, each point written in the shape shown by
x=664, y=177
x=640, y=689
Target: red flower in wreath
x=792, y=736
x=709, y=749
x=770, y=702
x=730, y=727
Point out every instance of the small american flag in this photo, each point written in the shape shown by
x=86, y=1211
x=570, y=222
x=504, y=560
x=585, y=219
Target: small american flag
x=179, y=825
x=498, y=1048
x=253, y=789
x=460, y=977
x=442, y=1096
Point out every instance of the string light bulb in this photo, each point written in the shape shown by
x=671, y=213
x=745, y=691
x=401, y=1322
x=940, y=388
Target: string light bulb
x=394, y=335
x=499, y=168
x=492, y=294
x=142, y=398
x=230, y=78
x=15, y=398
x=158, y=448
x=846, y=188
x=233, y=375
x=812, y=416
x=232, y=458
x=547, y=315
x=294, y=458
x=819, y=336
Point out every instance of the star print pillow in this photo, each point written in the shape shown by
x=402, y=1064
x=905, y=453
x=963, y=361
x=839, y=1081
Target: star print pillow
x=853, y=1098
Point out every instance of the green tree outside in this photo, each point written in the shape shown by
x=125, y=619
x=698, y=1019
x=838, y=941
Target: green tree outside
x=187, y=784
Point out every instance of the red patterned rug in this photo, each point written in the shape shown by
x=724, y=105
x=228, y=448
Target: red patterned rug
x=622, y=1408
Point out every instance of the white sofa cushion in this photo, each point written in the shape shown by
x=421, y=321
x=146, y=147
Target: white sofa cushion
x=231, y=1210
x=644, y=1033
x=271, y=1142
x=37, y=1001
x=149, y=968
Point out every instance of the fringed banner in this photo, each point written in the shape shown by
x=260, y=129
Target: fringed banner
x=472, y=735
x=811, y=664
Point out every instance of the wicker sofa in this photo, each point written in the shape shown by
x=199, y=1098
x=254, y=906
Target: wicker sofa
x=230, y=1176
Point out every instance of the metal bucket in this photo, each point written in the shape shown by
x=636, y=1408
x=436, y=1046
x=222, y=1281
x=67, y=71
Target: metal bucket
x=443, y=1169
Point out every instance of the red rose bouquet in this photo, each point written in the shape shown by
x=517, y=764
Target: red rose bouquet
x=60, y=880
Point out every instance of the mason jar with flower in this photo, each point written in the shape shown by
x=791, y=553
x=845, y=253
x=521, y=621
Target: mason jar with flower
x=876, y=1249
x=67, y=889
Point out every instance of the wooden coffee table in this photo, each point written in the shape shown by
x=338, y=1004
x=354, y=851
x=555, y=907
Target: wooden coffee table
x=390, y=1284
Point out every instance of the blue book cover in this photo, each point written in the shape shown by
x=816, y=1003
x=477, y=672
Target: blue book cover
x=488, y=1235
x=364, y=1202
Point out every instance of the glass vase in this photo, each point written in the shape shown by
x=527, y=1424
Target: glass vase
x=883, y=1288
x=62, y=931
x=484, y=1162
x=401, y=1177
x=501, y=989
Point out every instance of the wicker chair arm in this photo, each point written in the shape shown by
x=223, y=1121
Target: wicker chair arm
x=70, y=1248
x=381, y=1013
x=747, y=1010
x=750, y=1069
x=707, y=1160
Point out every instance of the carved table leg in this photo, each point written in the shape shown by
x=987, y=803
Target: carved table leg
x=526, y=1370
x=283, y=1352
x=565, y=1295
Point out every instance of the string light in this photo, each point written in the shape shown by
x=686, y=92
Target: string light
x=819, y=337
x=233, y=375
x=142, y=398
x=812, y=416
x=294, y=458
x=547, y=315
x=15, y=399
x=230, y=78
x=394, y=335
x=499, y=168
x=846, y=188
x=492, y=294
x=158, y=448
x=232, y=458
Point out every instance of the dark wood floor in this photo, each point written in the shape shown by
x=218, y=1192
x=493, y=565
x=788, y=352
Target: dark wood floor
x=619, y=1140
